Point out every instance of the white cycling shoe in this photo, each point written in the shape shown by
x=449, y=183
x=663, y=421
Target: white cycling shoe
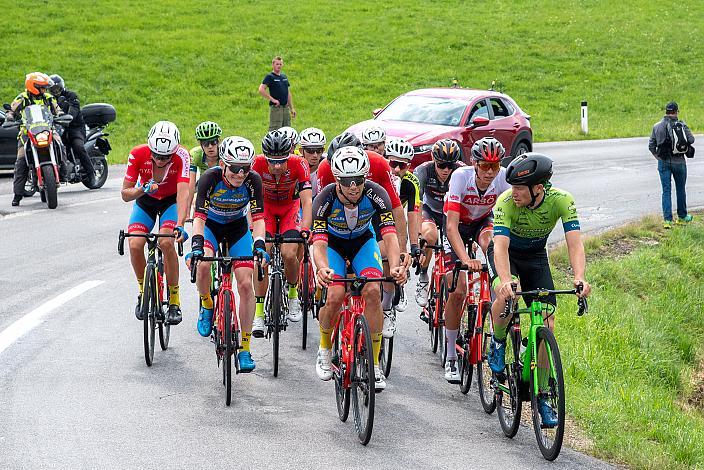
x=389, y=328
x=323, y=364
x=422, y=293
x=258, y=327
x=452, y=374
x=402, y=301
x=379, y=380
x=294, y=310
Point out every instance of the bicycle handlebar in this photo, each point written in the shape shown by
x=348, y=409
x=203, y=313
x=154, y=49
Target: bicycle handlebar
x=583, y=306
x=221, y=259
x=148, y=236
x=462, y=267
x=280, y=239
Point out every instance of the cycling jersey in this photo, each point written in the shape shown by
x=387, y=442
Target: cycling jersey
x=140, y=163
x=198, y=160
x=379, y=172
x=314, y=183
x=285, y=190
x=223, y=203
x=463, y=195
x=529, y=229
x=331, y=216
x=409, y=191
x=432, y=190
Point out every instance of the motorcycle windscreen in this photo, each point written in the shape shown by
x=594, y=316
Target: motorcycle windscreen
x=37, y=118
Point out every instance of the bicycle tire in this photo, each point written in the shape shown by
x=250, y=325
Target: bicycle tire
x=148, y=316
x=164, y=326
x=484, y=377
x=362, y=381
x=437, y=304
x=275, y=312
x=342, y=395
x=304, y=292
x=466, y=372
x=550, y=439
x=227, y=336
x=386, y=354
x=510, y=418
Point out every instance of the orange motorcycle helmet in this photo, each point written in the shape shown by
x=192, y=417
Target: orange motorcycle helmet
x=37, y=83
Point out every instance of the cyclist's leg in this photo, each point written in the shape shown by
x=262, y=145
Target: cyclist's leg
x=243, y=276
x=141, y=221
x=367, y=262
x=329, y=314
x=167, y=223
x=260, y=287
x=455, y=300
x=290, y=226
x=497, y=308
x=203, y=281
x=429, y=233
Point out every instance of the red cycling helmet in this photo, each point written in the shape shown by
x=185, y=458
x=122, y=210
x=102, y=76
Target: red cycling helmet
x=488, y=149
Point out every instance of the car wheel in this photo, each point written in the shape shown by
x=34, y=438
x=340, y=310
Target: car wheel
x=518, y=149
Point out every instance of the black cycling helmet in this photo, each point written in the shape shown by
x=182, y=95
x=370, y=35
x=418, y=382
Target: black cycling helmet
x=346, y=139
x=58, y=85
x=529, y=169
x=276, y=144
x=446, y=150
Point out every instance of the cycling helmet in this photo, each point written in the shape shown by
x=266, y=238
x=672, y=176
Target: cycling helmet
x=312, y=137
x=343, y=140
x=58, y=85
x=529, y=169
x=349, y=161
x=291, y=133
x=208, y=130
x=163, y=138
x=373, y=135
x=446, y=150
x=399, y=149
x=276, y=144
x=488, y=149
x=35, y=80
x=236, y=150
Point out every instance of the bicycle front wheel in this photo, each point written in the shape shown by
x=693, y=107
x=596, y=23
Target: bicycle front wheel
x=276, y=298
x=437, y=335
x=386, y=354
x=551, y=390
x=342, y=394
x=509, y=404
x=305, y=295
x=484, y=376
x=362, y=380
x=229, y=350
x=164, y=326
x=149, y=306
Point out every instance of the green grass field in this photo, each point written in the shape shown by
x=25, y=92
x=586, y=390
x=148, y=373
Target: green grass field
x=191, y=61
x=635, y=363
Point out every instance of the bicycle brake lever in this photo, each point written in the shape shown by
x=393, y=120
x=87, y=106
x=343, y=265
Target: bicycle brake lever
x=180, y=249
x=121, y=243
x=583, y=306
x=507, y=310
x=193, y=270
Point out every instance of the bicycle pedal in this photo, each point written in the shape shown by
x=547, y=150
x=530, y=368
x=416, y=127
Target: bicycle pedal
x=455, y=382
x=424, y=317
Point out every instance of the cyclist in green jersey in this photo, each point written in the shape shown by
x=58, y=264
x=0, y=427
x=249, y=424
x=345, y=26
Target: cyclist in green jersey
x=204, y=156
x=524, y=216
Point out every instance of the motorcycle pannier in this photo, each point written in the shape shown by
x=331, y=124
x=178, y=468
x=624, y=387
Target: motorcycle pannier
x=98, y=114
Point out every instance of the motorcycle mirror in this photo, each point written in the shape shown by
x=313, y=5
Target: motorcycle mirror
x=6, y=106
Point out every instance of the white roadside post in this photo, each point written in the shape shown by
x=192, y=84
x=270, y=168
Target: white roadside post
x=585, y=118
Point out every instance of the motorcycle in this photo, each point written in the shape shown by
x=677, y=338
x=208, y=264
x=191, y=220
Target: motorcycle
x=42, y=150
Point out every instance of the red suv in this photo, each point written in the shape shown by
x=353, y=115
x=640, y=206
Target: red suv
x=425, y=116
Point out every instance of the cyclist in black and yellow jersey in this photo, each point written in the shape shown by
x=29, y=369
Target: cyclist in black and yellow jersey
x=524, y=216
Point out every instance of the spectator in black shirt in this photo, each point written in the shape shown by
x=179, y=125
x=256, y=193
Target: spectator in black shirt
x=281, y=108
x=75, y=136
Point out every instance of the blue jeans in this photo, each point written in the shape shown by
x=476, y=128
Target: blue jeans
x=669, y=171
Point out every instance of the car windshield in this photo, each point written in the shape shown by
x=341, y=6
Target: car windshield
x=426, y=110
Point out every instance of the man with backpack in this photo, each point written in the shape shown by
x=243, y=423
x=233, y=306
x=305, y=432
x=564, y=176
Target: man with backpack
x=670, y=142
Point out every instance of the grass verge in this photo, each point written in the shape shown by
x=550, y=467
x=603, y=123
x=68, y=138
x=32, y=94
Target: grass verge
x=633, y=364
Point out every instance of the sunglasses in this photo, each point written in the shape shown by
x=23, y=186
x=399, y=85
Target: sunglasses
x=347, y=181
x=276, y=161
x=314, y=150
x=444, y=165
x=399, y=165
x=486, y=166
x=237, y=169
x=209, y=143
x=161, y=158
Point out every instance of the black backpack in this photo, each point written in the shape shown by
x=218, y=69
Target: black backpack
x=676, y=141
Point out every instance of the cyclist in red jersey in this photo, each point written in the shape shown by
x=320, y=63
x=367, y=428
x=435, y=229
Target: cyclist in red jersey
x=157, y=180
x=286, y=181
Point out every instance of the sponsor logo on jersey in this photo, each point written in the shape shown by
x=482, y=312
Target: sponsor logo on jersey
x=319, y=225
x=387, y=217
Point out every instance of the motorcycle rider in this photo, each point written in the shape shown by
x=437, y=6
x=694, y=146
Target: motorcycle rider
x=75, y=135
x=36, y=85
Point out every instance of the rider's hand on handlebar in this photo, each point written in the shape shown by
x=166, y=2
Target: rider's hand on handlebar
x=472, y=264
x=399, y=274
x=586, y=288
x=150, y=187
x=405, y=261
x=260, y=254
x=325, y=276
x=180, y=234
x=505, y=290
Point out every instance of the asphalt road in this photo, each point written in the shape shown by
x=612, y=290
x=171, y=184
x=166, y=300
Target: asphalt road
x=75, y=392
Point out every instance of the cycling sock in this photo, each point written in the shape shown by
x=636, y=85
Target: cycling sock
x=325, y=338
x=500, y=333
x=387, y=299
x=451, y=336
x=206, y=301
x=245, y=340
x=173, y=296
x=376, y=347
x=141, y=285
x=424, y=276
x=259, y=307
x=292, y=291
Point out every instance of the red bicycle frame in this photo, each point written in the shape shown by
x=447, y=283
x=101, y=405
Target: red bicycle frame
x=471, y=298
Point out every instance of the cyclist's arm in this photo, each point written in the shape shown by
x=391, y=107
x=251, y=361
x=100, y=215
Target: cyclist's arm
x=401, y=228
x=501, y=260
x=575, y=249
x=130, y=192
x=192, y=189
x=182, y=206
x=198, y=226
x=413, y=227
x=321, y=209
x=307, y=206
x=453, y=235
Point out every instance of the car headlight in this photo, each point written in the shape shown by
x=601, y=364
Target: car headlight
x=422, y=148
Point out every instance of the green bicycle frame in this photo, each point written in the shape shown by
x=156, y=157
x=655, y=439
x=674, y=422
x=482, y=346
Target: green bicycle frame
x=530, y=355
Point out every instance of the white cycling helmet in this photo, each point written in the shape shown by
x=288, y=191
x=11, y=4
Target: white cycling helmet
x=312, y=137
x=236, y=150
x=373, y=135
x=291, y=133
x=163, y=138
x=399, y=149
x=349, y=161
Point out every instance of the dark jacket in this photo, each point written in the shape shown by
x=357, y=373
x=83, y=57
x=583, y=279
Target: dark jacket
x=70, y=104
x=661, y=133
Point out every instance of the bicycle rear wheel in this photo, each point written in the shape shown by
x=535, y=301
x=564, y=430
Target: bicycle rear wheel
x=484, y=376
x=434, y=318
x=164, y=326
x=549, y=438
x=342, y=394
x=227, y=337
x=275, y=312
x=509, y=406
x=386, y=354
x=149, y=306
x=362, y=380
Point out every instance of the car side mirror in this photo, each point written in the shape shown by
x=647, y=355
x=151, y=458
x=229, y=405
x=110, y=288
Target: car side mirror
x=479, y=121
x=376, y=112
x=6, y=107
